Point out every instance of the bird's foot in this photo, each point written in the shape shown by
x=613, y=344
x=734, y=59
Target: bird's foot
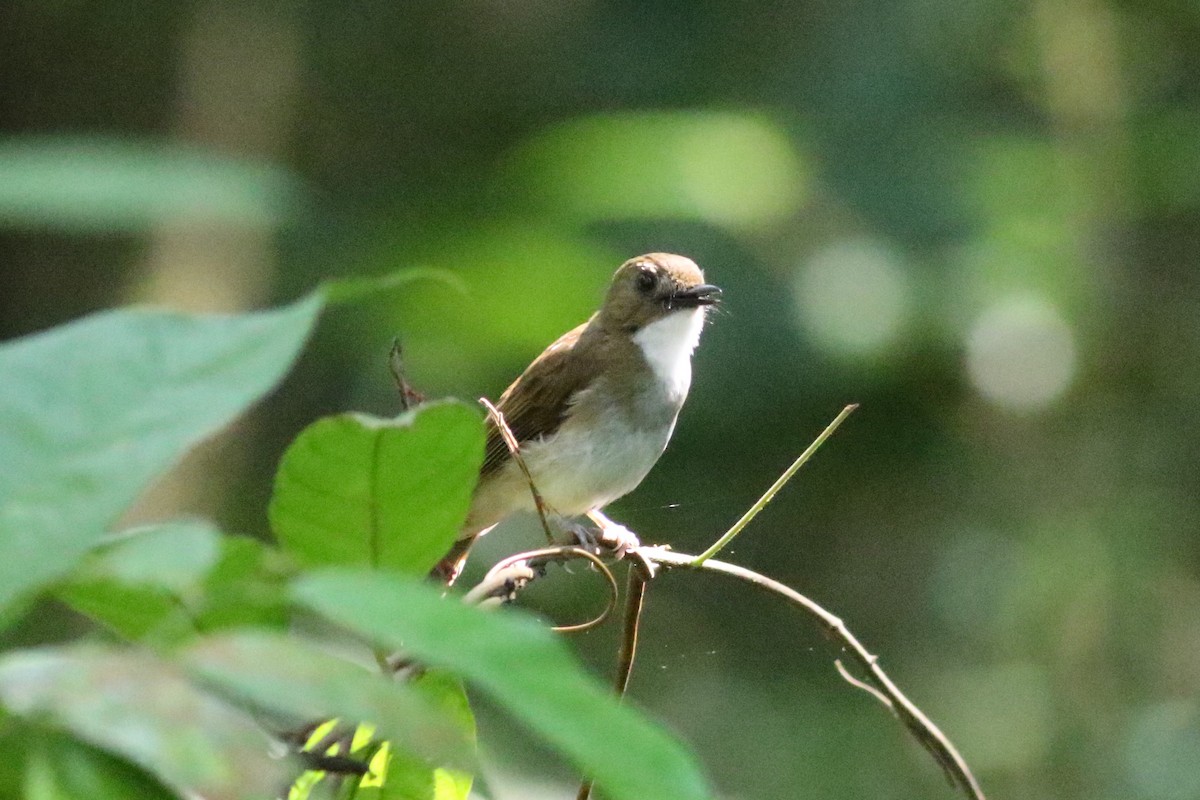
x=607, y=537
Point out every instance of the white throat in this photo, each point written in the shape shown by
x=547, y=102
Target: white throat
x=667, y=345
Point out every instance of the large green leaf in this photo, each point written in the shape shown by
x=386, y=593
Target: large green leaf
x=93, y=410
x=362, y=491
x=523, y=666
x=246, y=587
x=61, y=768
x=145, y=710
x=144, y=580
x=299, y=683
x=169, y=581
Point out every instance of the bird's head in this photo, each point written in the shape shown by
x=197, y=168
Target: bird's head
x=650, y=287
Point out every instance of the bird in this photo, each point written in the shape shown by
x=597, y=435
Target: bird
x=593, y=413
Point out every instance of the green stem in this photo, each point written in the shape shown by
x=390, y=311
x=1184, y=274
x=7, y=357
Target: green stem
x=768, y=495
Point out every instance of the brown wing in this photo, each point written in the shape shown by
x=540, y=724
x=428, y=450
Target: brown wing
x=536, y=403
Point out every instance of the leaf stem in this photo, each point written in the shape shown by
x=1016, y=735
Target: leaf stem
x=780, y=482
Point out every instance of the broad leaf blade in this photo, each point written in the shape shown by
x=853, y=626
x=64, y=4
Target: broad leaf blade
x=524, y=667
x=140, y=581
x=146, y=711
x=61, y=768
x=361, y=491
x=298, y=683
x=172, y=556
x=93, y=410
x=167, y=582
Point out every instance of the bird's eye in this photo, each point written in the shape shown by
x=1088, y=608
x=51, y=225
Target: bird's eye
x=647, y=280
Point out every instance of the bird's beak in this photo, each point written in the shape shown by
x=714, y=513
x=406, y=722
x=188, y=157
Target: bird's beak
x=702, y=294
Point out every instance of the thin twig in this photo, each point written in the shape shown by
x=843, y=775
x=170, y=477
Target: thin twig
x=514, y=449
x=779, y=483
x=640, y=574
x=409, y=397
x=866, y=687
x=508, y=577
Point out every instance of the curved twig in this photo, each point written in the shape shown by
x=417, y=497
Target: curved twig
x=509, y=576
x=919, y=725
x=649, y=560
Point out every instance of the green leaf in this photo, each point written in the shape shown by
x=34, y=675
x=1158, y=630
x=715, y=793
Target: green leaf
x=524, y=667
x=165, y=583
x=142, y=580
x=299, y=683
x=98, y=184
x=352, y=290
x=143, y=709
x=173, y=556
x=247, y=587
x=93, y=410
x=361, y=491
x=137, y=613
x=61, y=768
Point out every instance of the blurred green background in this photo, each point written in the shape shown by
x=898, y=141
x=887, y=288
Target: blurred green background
x=980, y=220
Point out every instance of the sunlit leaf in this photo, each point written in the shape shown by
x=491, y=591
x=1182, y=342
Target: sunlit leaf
x=93, y=410
x=358, y=490
x=394, y=773
x=521, y=665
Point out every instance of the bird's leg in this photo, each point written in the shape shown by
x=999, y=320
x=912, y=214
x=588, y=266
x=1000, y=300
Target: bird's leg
x=613, y=535
x=607, y=537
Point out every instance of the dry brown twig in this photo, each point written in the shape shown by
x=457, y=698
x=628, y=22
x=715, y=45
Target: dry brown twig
x=514, y=448
x=650, y=561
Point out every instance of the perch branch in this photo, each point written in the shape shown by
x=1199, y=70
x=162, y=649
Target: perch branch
x=648, y=560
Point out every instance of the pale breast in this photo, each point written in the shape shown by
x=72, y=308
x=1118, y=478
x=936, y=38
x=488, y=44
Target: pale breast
x=586, y=467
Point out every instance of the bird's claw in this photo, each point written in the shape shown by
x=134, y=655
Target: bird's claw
x=606, y=538
x=618, y=539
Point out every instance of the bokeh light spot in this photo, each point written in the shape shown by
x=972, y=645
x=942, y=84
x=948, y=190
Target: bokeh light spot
x=853, y=296
x=1002, y=714
x=734, y=170
x=1021, y=353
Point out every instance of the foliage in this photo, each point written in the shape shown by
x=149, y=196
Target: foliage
x=202, y=671
x=979, y=220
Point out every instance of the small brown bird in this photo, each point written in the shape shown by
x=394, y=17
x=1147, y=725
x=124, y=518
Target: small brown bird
x=596, y=409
